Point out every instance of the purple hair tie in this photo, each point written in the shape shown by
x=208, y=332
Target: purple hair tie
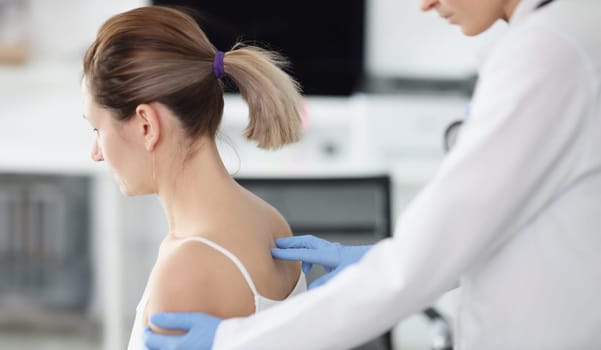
x=218, y=68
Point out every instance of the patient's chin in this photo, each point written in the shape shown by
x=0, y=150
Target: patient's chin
x=127, y=190
x=131, y=188
x=131, y=191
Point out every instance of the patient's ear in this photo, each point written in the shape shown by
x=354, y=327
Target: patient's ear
x=148, y=125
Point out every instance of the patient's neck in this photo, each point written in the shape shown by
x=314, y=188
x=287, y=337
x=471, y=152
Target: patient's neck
x=196, y=195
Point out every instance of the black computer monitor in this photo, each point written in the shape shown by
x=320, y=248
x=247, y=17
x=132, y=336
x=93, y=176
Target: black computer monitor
x=323, y=40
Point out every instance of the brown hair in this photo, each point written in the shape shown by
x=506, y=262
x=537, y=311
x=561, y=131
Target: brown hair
x=160, y=54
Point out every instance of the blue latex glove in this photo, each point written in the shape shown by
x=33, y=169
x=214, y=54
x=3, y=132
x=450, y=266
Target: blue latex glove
x=334, y=257
x=200, y=330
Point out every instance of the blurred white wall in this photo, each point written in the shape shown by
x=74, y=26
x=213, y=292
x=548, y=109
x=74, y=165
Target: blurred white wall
x=404, y=42
x=62, y=29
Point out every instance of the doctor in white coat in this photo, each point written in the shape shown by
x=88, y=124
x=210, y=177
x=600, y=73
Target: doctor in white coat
x=513, y=215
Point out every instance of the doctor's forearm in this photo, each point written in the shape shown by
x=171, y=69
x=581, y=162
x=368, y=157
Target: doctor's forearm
x=355, y=306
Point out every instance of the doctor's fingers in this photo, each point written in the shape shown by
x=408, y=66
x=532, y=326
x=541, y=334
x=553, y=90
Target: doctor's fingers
x=154, y=341
x=306, y=241
x=181, y=321
x=322, y=257
x=306, y=267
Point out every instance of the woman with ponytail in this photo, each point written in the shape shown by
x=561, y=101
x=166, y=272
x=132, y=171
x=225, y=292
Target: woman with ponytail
x=153, y=94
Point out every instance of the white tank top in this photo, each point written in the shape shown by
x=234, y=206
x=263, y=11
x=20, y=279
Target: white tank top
x=261, y=303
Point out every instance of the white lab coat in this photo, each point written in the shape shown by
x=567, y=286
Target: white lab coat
x=513, y=215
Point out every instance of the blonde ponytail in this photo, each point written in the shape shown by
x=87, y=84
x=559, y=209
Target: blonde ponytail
x=157, y=53
x=272, y=96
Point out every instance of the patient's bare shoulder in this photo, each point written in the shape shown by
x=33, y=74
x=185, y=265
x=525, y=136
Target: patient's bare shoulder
x=195, y=277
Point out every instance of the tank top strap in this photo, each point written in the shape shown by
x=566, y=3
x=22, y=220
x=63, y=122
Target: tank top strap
x=230, y=256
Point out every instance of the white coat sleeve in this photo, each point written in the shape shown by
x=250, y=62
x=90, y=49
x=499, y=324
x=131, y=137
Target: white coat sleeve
x=512, y=153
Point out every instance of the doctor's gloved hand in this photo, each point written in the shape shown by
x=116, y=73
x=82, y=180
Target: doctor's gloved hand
x=200, y=330
x=334, y=257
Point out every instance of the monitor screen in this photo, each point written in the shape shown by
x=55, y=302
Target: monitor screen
x=323, y=40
